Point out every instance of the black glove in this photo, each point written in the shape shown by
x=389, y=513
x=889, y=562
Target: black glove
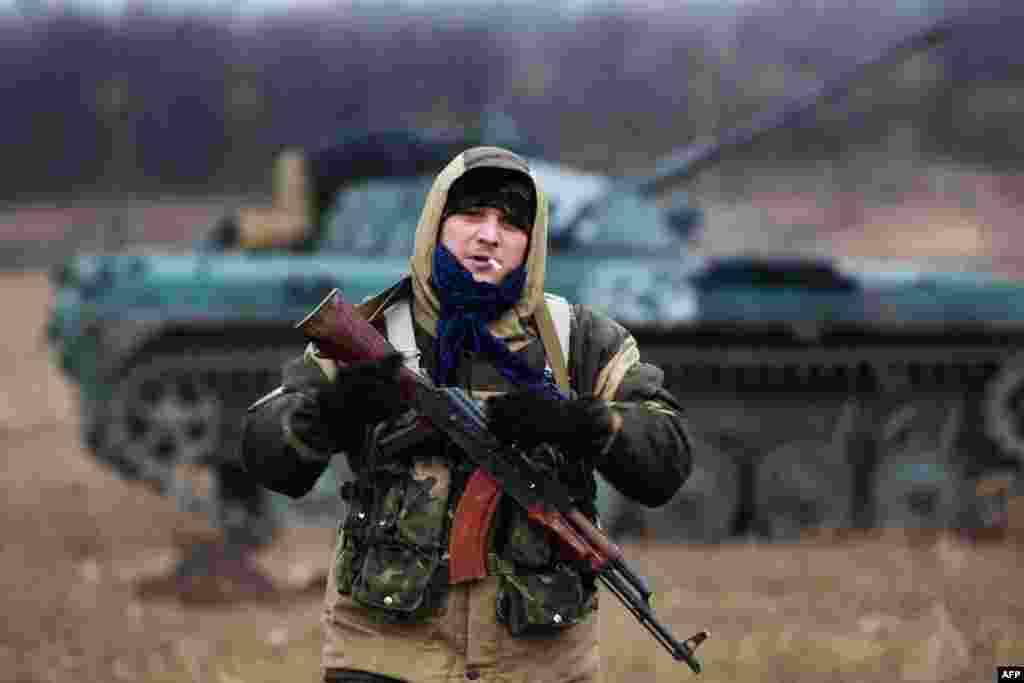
x=320, y=412
x=528, y=418
x=366, y=391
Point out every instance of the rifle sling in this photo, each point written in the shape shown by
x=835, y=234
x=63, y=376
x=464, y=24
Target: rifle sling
x=552, y=345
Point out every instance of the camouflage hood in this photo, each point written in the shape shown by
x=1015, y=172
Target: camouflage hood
x=427, y=306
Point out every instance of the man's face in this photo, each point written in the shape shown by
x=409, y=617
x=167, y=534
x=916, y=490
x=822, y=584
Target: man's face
x=485, y=243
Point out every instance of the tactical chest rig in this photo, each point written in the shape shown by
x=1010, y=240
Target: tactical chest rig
x=394, y=552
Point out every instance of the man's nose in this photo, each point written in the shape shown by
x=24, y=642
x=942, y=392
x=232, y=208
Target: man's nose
x=489, y=230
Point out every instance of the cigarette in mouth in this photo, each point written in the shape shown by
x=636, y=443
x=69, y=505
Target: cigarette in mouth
x=494, y=264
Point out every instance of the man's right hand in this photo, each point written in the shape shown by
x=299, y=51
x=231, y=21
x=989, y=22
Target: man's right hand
x=321, y=413
x=365, y=391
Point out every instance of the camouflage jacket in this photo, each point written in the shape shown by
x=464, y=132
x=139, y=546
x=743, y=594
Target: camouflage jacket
x=389, y=608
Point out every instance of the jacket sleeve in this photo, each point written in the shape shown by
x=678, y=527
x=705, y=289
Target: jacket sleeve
x=286, y=444
x=648, y=457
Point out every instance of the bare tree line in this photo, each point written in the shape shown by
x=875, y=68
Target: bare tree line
x=147, y=102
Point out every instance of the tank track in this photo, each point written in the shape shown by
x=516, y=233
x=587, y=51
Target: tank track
x=778, y=467
x=928, y=418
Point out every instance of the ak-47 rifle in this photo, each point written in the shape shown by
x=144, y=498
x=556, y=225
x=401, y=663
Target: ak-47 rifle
x=344, y=336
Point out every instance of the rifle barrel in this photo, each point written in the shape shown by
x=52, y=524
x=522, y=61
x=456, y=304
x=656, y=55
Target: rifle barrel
x=642, y=612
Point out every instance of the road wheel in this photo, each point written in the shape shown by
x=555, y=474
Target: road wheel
x=173, y=423
x=1004, y=409
x=798, y=488
x=164, y=426
x=917, y=494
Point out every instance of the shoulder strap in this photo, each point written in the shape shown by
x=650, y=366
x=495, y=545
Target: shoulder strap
x=398, y=319
x=553, y=318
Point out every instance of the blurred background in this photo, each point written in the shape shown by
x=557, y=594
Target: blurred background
x=137, y=125
x=154, y=103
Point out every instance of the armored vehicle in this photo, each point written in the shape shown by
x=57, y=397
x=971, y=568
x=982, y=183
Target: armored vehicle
x=168, y=348
x=823, y=394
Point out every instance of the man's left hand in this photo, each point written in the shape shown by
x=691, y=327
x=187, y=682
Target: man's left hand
x=529, y=418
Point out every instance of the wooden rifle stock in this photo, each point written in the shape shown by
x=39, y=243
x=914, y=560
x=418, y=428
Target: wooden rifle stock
x=343, y=335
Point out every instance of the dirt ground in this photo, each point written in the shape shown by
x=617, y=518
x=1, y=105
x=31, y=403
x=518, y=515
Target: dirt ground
x=77, y=542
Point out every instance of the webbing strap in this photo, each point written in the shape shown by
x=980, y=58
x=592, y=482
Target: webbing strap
x=401, y=334
x=553, y=317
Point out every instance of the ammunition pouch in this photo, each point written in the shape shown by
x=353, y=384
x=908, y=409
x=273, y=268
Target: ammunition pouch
x=392, y=561
x=538, y=593
x=391, y=554
x=351, y=548
x=394, y=581
x=544, y=602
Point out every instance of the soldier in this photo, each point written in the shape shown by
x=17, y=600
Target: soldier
x=306, y=181
x=475, y=309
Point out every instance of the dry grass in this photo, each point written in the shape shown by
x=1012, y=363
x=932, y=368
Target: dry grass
x=873, y=611
x=247, y=654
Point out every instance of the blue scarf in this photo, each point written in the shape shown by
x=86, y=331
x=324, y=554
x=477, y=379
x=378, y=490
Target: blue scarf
x=467, y=307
